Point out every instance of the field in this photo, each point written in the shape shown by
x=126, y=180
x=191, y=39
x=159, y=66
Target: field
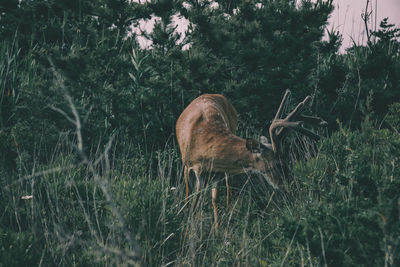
x=90, y=169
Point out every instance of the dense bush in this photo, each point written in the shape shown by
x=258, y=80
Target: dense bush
x=349, y=215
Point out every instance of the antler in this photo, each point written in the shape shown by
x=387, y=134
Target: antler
x=294, y=120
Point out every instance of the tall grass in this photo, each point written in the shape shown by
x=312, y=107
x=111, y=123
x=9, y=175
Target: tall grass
x=113, y=205
x=110, y=209
x=60, y=214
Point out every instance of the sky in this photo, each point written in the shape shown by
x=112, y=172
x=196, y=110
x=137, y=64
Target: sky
x=346, y=18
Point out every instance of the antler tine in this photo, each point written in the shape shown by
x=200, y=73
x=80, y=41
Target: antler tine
x=284, y=124
x=287, y=123
x=297, y=126
x=284, y=100
x=293, y=114
x=307, y=132
x=313, y=120
x=277, y=121
x=299, y=108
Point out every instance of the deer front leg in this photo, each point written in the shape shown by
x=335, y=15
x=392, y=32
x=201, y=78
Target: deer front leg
x=214, y=195
x=199, y=185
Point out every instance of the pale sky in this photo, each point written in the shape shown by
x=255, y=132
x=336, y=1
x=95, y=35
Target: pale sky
x=346, y=18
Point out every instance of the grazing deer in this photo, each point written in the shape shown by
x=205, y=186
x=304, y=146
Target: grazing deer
x=206, y=136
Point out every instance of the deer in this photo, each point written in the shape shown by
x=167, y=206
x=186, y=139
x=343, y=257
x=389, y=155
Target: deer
x=206, y=135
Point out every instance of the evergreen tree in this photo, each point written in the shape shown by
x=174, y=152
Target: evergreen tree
x=254, y=53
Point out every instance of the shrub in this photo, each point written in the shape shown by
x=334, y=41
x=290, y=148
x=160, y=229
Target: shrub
x=349, y=215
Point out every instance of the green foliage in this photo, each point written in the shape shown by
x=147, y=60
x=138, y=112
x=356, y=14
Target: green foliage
x=46, y=213
x=19, y=248
x=393, y=118
x=345, y=82
x=344, y=212
x=253, y=55
x=349, y=215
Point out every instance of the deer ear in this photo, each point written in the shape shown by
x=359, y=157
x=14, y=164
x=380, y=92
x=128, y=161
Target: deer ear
x=252, y=145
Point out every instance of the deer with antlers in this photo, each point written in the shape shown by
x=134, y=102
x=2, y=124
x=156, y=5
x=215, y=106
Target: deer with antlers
x=206, y=136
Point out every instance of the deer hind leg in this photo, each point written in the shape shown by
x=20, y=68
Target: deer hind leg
x=228, y=191
x=214, y=195
x=186, y=174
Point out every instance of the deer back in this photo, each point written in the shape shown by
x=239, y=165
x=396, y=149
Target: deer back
x=206, y=131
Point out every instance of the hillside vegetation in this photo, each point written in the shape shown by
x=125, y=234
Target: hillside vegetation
x=90, y=171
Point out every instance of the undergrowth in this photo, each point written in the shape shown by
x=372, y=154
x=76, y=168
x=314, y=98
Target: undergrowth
x=345, y=211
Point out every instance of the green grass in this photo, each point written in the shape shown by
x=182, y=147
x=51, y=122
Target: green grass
x=116, y=210
x=70, y=221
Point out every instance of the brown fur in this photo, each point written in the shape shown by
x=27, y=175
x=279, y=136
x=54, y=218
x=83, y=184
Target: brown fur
x=206, y=135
